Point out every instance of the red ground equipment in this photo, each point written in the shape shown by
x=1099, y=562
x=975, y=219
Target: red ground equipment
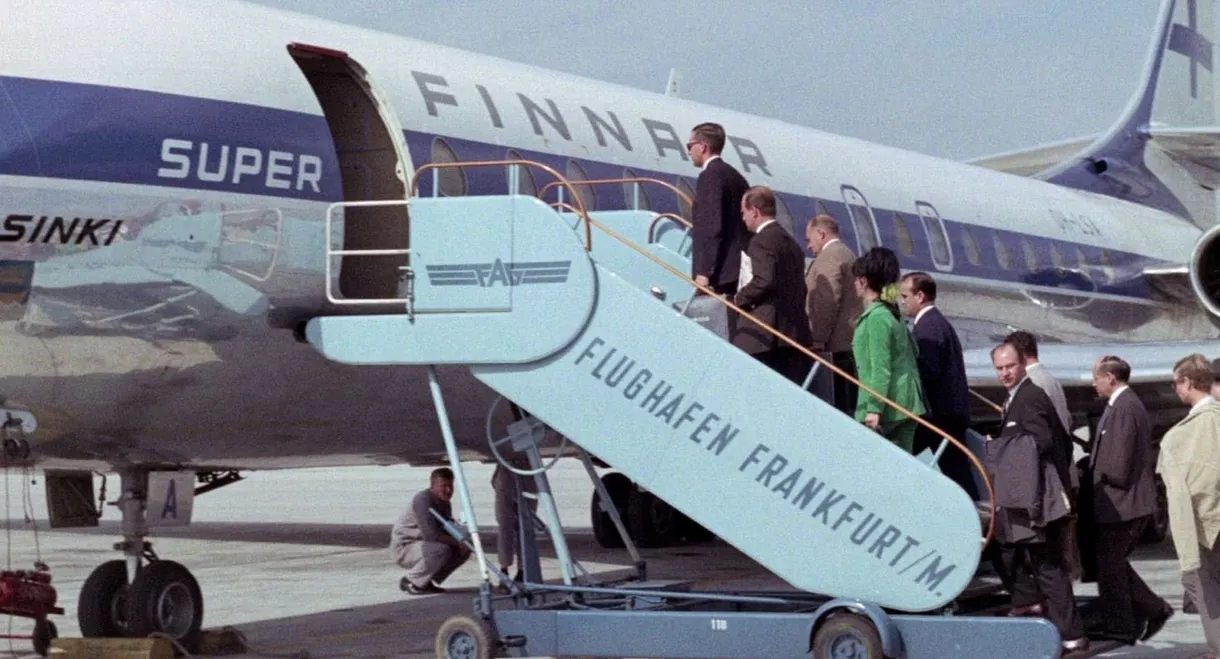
x=29, y=594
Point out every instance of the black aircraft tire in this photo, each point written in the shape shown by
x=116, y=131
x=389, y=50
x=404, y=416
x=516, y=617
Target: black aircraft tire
x=166, y=598
x=101, y=609
x=618, y=486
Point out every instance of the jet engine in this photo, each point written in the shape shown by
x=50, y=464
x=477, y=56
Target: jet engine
x=1205, y=272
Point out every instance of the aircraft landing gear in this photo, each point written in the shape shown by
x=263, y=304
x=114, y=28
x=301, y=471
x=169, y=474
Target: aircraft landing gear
x=140, y=594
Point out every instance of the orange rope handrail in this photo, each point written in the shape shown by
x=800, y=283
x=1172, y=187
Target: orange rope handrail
x=809, y=353
x=632, y=179
x=583, y=212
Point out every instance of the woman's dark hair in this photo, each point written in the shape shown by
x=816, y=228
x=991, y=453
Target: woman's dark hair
x=879, y=268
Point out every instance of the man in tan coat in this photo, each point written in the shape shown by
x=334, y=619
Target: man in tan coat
x=833, y=307
x=1189, y=463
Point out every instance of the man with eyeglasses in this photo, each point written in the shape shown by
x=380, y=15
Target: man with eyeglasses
x=1189, y=464
x=718, y=232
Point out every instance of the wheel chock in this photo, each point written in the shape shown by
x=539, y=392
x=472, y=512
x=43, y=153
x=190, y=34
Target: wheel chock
x=112, y=648
x=220, y=642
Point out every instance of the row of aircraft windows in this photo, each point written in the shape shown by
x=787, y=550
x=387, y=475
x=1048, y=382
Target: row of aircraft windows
x=452, y=183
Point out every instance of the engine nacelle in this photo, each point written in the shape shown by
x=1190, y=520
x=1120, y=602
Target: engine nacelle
x=1205, y=272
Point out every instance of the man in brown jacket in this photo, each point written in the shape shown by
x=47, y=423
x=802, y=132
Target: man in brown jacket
x=832, y=304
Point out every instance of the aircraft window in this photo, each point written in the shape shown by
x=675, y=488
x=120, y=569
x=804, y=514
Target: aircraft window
x=575, y=173
x=525, y=176
x=1031, y=257
x=629, y=192
x=1056, y=256
x=1001, y=250
x=684, y=208
x=1107, y=268
x=452, y=179
x=783, y=214
x=906, y=242
x=970, y=246
x=938, y=239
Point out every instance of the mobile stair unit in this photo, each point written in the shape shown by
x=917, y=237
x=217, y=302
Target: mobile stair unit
x=576, y=318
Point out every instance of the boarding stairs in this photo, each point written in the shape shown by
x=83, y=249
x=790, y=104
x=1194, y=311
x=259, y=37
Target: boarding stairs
x=578, y=318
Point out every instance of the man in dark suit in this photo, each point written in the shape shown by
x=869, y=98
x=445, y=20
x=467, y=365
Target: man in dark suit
x=942, y=370
x=772, y=290
x=718, y=234
x=1120, y=470
x=1032, y=501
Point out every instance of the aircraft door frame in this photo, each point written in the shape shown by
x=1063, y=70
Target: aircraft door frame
x=927, y=212
x=365, y=131
x=853, y=197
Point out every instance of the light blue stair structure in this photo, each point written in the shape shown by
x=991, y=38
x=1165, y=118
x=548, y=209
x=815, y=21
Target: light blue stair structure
x=509, y=287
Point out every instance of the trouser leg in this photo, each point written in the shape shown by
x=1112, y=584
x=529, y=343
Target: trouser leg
x=953, y=462
x=1052, y=578
x=1203, y=586
x=507, y=540
x=424, y=561
x=845, y=391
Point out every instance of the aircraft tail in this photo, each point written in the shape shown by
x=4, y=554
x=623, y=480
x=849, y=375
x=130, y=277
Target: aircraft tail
x=1164, y=151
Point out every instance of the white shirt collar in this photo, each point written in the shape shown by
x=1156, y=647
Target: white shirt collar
x=828, y=242
x=1017, y=386
x=764, y=225
x=708, y=161
x=1207, y=400
x=921, y=313
x=1117, y=393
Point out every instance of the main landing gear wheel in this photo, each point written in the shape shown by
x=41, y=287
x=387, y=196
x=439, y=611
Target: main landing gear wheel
x=44, y=632
x=101, y=608
x=847, y=636
x=463, y=637
x=650, y=521
x=618, y=487
x=165, y=598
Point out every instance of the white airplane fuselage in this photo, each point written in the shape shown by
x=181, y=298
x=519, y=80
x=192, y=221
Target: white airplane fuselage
x=164, y=186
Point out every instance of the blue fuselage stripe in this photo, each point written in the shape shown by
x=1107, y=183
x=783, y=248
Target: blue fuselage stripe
x=85, y=132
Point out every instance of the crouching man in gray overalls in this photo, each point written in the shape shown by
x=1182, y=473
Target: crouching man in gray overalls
x=420, y=545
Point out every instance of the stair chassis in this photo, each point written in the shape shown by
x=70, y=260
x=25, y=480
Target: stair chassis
x=635, y=617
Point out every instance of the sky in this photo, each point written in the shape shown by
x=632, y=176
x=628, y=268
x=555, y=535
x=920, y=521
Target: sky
x=943, y=77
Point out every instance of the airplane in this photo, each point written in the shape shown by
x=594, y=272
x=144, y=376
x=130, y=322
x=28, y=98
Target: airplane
x=165, y=238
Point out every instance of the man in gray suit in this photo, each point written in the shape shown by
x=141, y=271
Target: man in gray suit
x=833, y=308
x=1027, y=346
x=1120, y=470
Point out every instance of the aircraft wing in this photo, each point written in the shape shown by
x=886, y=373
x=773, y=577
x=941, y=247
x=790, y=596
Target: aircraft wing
x=1031, y=161
x=1072, y=364
x=1196, y=149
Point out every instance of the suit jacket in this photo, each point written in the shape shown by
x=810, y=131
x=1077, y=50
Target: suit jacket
x=885, y=361
x=1029, y=461
x=1189, y=463
x=775, y=293
x=1047, y=382
x=719, y=236
x=1121, y=462
x=942, y=368
x=831, y=302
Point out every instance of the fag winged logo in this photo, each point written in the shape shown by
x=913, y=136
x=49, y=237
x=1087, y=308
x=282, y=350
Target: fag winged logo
x=499, y=272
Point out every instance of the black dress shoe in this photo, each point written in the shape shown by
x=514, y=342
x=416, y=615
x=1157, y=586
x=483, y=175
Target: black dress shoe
x=1156, y=622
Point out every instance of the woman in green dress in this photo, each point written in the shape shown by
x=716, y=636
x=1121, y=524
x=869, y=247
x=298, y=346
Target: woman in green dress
x=884, y=352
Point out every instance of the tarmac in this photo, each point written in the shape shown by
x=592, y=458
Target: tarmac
x=299, y=561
